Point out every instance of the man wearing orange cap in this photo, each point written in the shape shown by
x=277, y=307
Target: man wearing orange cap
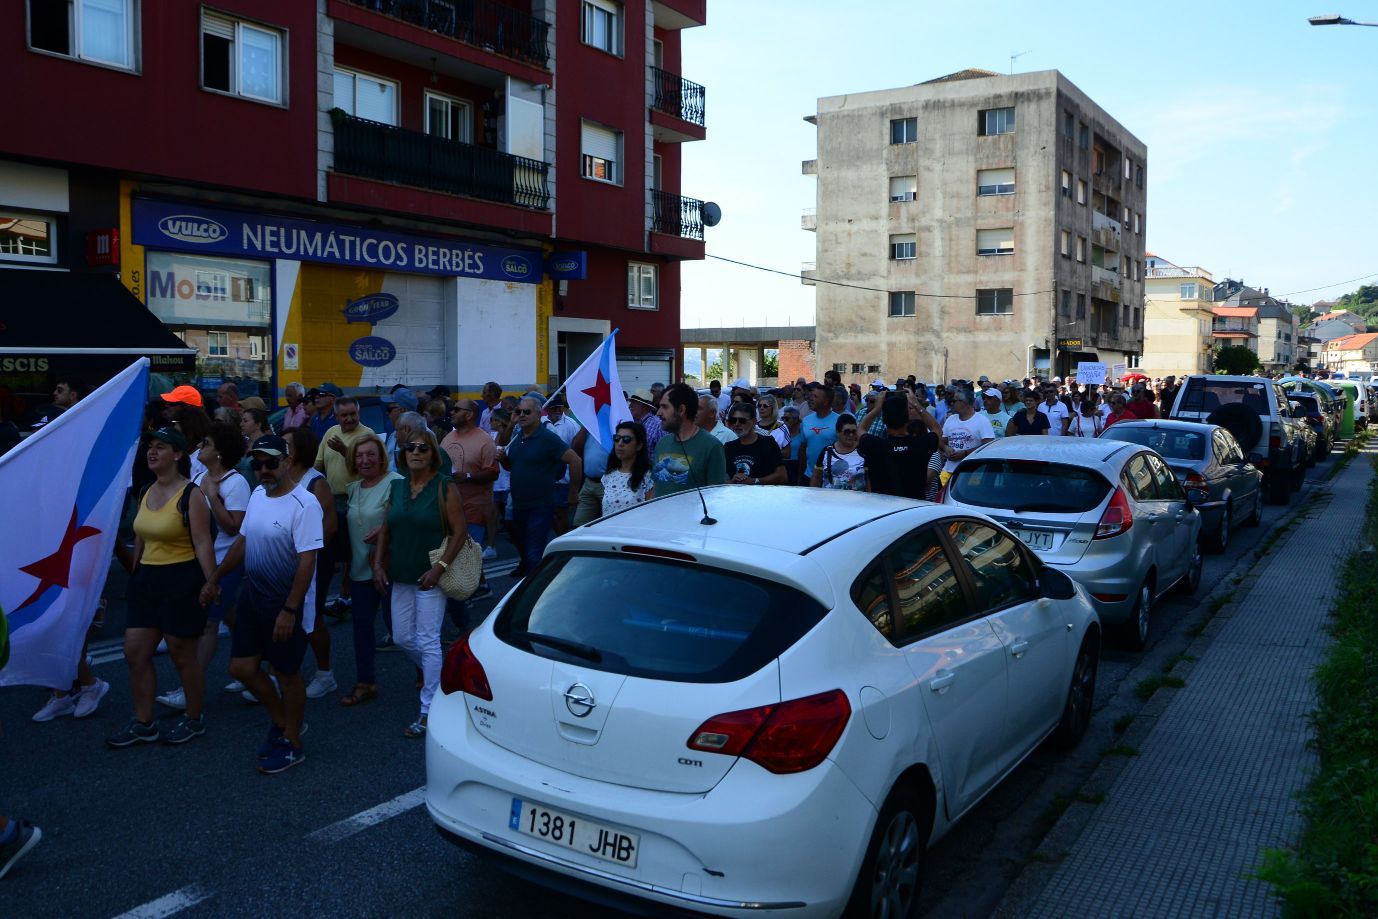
x=184, y=394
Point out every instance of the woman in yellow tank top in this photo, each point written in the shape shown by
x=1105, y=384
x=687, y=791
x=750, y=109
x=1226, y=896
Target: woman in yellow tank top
x=174, y=555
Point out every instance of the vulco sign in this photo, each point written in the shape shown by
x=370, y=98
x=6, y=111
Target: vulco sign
x=189, y=229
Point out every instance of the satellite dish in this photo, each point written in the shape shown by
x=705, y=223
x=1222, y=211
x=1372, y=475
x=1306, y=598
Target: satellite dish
x=711, y=214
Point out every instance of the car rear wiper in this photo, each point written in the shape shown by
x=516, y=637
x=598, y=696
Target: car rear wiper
x=590, y=654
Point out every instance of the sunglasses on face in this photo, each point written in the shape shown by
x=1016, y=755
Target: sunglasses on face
x=623, y=439
x=417, y=447
x=847, y=432
x=259, y=463
x=523, y=411
x=738, y=420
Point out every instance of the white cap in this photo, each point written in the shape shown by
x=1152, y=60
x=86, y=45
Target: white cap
x=991, y=393
x=879, y=384
x=741, y=383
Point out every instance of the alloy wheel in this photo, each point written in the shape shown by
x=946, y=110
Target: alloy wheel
x=1145, y=602
x=895, y=883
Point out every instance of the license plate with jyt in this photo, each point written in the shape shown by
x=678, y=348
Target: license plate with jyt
x=1036, y=539
x=575, y=833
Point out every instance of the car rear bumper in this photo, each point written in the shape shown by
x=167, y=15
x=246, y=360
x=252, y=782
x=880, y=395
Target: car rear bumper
x=755, y=844
x=1106, y=580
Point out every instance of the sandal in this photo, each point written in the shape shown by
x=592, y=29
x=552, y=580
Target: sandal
x=361, y=693
x=415, y=729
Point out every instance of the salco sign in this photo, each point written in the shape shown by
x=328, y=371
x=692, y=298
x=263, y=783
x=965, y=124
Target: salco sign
x=372, y=351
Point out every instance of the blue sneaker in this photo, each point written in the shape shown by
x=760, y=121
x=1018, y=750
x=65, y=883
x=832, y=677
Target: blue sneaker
x=271, y=742
x=283, y=757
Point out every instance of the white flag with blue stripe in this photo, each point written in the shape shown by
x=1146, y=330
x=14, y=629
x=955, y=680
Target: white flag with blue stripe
x=61, y=493
x=594, y=393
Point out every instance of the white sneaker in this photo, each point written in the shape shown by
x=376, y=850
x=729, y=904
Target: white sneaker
x=223, y=631
x=490, y=552
x=234, y=686
x=162, y=647
x=249, y=697
x=56, y=707
x=322, y=684
x=175, y=699
x=88, y=700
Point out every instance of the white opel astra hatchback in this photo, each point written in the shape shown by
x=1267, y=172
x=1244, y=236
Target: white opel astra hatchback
x=772, y=712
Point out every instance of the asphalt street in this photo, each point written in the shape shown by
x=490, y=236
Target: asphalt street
x=195, y=831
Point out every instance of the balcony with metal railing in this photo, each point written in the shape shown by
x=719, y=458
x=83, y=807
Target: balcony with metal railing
x=484, y=24
x=385, y=153
x=678, y=107
x=676, y=225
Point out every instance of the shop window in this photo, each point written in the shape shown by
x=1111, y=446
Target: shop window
x=641, y=286
x=449, y=118
x=100, y=31
x=602, y=153
x=27, y=238
x=601, y=25
x=364, y=96
x=241, y=58
x=218, y=344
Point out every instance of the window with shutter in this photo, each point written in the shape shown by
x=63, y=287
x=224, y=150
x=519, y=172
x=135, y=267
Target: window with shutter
x=601, y=149
x=995, y=181
x=995, y=242
x=904, y=188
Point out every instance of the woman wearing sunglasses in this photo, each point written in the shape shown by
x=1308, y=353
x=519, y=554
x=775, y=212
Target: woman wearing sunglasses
x=422, y=510
x=368, y=503
x=629, y=483
x=841, y=465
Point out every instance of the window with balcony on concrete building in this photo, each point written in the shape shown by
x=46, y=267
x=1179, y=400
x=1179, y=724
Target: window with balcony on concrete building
x=904, y=130
x=901, y=303
x=449, y=118
x=601, y=25
x=904, y=188
x=903, y=246
x=1066, y=184
x=998, y=241
x=241, y=58
x=1081, y=192
x=1066, y=244
x=27, y=238
x=1081, y=249
x=602, y=153
x=995, y=181
x=641, y=286
x=102, y=31
x=997, y=301
x=1187, y=291
x=996, y=121
x=365, y=96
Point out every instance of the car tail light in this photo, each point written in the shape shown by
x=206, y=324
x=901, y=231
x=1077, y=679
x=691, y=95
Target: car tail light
x=463, y=673
x=1274, y=436
x=1194, y=480
x=789, y=737
x=1110, y=598
x=1118, y=516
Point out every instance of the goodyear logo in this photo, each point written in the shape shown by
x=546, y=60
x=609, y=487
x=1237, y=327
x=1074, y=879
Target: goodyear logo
x=373, y=308
x=372, y=351
x=514, y=266
x=191, y=229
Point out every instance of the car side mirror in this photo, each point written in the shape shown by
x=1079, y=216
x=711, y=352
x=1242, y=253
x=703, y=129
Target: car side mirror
x=1056, y=585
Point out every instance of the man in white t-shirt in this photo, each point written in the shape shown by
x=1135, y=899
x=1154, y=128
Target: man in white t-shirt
x=963, y=431
x=1059, y=418
x=277, y=543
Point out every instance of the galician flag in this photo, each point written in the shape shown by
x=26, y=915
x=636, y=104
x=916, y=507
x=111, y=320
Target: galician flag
x=61, y=493
x=594, y=393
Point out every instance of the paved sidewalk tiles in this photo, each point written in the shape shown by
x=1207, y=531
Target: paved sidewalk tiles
x=1214, y=784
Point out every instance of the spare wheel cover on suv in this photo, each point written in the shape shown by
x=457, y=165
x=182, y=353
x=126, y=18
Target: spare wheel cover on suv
x=1240, y=421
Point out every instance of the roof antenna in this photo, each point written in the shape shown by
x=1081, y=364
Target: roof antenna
x=1014, y=57
x=707, y=520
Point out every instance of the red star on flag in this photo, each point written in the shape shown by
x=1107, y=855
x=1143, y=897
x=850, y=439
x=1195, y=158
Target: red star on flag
x=600, y=393
x=56, y=569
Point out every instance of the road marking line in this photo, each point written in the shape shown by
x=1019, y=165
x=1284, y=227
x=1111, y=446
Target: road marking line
x=374, y=815
x=167, y=905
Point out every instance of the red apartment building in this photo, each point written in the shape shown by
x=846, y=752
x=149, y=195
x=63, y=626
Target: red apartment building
x=362, y=191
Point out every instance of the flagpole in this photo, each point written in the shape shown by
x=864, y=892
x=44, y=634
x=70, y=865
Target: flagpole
x=559, y=389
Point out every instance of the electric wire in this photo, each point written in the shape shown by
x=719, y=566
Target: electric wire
x=879, y=290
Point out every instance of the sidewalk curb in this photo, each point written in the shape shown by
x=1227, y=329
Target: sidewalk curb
x=1229, y=592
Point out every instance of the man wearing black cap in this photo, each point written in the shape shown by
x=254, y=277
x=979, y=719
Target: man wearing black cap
x=324, y=403
x=277, y=544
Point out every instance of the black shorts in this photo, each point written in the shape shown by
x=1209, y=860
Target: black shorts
x=167, y=598
x=253, y=636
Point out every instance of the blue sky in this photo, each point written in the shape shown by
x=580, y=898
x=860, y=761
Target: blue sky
x=1260, y=128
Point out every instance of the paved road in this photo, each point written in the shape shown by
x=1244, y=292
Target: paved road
x=196, y=831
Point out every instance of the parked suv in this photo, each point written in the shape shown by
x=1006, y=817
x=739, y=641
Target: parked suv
x=1256, y=411
x=1322, y=422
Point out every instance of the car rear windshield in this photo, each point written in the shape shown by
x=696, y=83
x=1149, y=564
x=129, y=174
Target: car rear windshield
x=655, y=618
x=1309, y=404
x=1205, y=396
x=1029, y=486
x=1169, y=443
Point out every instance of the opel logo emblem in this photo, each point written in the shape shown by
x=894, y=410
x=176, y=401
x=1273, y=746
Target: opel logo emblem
x=579, y=700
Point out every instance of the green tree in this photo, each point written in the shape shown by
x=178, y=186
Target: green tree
x=714, y=371
x=1236, y=360
x=770, y=364
x=1363, y=301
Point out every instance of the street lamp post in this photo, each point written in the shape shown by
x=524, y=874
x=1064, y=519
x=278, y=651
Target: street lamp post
x=1335, y=19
